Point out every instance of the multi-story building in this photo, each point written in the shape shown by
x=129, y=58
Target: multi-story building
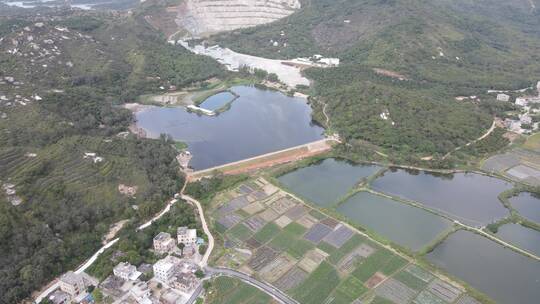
x=141, y=293
x=187, y=236
x=126, y=271
x=163, y=243
x=72, y=283
x=184, y=281
x=164, y=269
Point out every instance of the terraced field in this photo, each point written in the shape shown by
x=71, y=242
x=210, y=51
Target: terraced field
x=316, y=258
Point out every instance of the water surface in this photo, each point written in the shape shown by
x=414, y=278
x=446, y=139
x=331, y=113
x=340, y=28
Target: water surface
x=522, y=237
x=504, y=275
x=527, y=205
x=217, y=101
x=468, y=197
x=258, y=122
x=326, y=182
x=405, y=225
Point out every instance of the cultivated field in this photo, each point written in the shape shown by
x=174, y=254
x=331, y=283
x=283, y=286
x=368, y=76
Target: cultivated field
x=315, y=258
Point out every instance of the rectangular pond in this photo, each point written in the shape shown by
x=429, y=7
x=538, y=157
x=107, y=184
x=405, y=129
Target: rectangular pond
x=468, y=197
x=258, y=122
x=527, y=206
x=506, y=276
x=520, y=236
x=217, y=101
x=325, y=182
x=405, y=225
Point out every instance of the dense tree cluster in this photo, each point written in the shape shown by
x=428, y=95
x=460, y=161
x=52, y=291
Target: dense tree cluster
x=69, y=201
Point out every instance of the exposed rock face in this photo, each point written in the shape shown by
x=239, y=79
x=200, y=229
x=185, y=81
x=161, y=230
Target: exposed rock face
x=201, y=17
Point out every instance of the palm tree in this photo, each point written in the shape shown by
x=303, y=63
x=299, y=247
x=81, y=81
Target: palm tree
x=182, y=246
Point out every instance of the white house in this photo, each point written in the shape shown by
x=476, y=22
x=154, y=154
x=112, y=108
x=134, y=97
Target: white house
x=164, y=269
x=187, y=236
x=503, y=97
x=126, y=271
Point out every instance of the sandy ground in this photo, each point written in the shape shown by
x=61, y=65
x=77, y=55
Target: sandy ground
x=287, y=74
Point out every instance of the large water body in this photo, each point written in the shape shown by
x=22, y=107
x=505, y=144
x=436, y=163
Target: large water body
x=405, y=225
x=504, y=275
x=520, y=236
x=527, y=205
x=326, y=182
x=468, y=197
x=258, y=122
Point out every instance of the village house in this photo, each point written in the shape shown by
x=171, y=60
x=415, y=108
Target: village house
x=503, y=97
x=525, y=101
x=59, y=297
x=163, y=243
x=184, y=281
x=141, y=293
x=187, y=236
x=126, y=271
x=72, y=283
x=164, y=269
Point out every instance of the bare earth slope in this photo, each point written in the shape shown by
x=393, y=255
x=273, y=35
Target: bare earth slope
x=201, y=17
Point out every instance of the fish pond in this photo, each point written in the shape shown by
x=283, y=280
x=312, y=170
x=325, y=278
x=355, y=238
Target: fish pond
x=217, y=101
x=405, y=225
x=520, y=236
x=325, y=182
x=504, y=275
x=258, y=122
x=527, y=205
x=468, y=197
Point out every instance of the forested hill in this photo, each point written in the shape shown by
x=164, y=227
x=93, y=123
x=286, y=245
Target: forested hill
x=439, y=48
x=66, y=158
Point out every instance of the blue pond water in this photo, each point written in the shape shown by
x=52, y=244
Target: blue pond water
x=258, y=122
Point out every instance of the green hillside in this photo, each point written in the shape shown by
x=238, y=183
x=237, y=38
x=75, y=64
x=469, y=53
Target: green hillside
x=63, y=77
x=441, y=48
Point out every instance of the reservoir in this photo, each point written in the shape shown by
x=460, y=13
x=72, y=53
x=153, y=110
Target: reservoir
x=325, y=182
x=506, y=276
x=527, y=205
x=468, y=197
x=258, y=122
x=405, y=225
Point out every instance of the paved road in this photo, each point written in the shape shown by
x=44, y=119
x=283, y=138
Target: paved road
x=488, y=132
x=277, y=294
x=204, y=260
x=158, y=216
x=81, y=269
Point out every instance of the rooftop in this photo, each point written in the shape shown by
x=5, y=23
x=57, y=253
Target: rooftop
x=187, y=232
x=162, y=236
x=70, y=278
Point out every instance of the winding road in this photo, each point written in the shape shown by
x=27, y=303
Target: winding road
x=489, y=131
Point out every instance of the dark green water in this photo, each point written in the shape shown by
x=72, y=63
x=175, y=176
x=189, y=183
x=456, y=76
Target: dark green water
x=527, y=205
x=326, y=182
x=504, y=275
x=468, y=197
x=522, y=237
x=407, y=226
